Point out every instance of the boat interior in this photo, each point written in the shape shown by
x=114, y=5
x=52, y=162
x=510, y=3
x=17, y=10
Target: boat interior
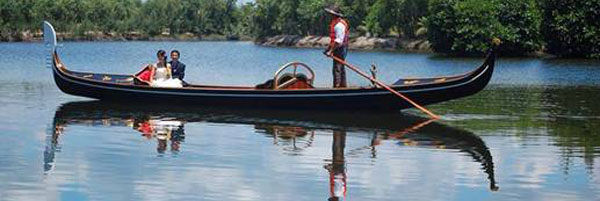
x=291, y=76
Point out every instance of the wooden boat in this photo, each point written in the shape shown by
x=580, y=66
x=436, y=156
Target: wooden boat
x=295, y=93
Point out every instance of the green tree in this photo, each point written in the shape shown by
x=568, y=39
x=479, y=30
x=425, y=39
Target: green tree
x=467, y=26
x=68, y=14
x=112, y=15
x=571, y=27
x=409, y=15
x=357, y=12
x=153, y=18
x=218, y=16
x=244, y=15
x=312, y=17
x=266, y=13
x=440, y=24
x=382, y=17
x=288, y=20
x=521, y=20
x=15, y=16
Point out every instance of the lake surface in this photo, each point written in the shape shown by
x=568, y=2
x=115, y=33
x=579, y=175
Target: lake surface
x=532, y=134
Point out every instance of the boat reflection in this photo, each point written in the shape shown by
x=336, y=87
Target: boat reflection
x=164, y=130
x=293, y=131
x=426, y=134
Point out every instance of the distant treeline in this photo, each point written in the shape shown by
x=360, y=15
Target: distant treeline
x=151, y=17
x=563, y=27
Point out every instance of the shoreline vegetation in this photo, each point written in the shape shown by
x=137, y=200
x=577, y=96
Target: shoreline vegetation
x=452, y=27
x=131, y=36
x=356, y=43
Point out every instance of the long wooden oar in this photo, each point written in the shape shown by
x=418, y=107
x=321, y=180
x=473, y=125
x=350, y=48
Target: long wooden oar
x=355, y=69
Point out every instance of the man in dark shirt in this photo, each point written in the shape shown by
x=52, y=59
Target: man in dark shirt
x=177, y=68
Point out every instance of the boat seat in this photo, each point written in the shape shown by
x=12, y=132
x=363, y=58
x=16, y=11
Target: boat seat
x=288, y=81
x=295, y=83
x=143, y=76
x=138, y=81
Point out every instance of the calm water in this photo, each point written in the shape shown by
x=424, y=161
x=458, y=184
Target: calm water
x=532, y=134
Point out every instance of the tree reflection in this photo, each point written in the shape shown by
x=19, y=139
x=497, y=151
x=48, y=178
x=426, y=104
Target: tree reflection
x=567, y=114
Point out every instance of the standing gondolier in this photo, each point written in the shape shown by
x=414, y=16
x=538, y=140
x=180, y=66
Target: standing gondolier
x=338, y=46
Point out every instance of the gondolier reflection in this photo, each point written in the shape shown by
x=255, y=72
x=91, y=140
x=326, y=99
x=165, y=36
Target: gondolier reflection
x=338, y=45
x=337, y=168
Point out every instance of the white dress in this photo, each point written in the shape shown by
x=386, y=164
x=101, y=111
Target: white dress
x=162, y=78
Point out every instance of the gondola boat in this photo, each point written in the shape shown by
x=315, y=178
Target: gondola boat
x=292, y=91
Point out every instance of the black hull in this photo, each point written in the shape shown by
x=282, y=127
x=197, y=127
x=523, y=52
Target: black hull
x=429, y=92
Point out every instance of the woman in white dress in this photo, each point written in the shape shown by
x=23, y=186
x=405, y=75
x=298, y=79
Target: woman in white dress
x=162, y=73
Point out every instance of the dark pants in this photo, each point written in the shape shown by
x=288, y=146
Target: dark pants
x=339, y=70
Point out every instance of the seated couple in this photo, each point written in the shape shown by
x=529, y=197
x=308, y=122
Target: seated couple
x=163, y=73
